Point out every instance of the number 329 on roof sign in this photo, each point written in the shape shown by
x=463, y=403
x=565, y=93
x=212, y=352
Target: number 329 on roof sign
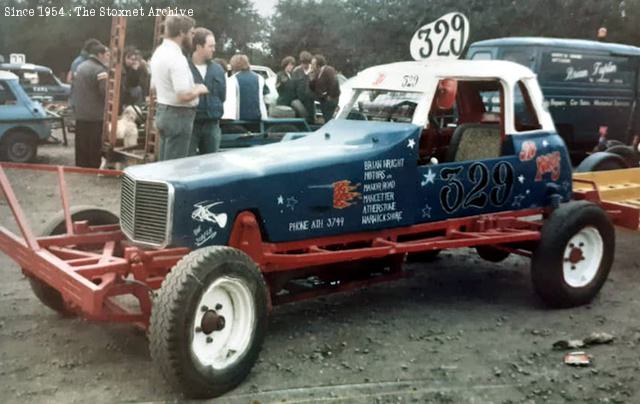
x=444, y=38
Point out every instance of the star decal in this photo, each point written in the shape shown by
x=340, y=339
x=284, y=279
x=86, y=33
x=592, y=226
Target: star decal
x=521, y=179
x=411, y=144
x=291, y=203
x=527, y=192
x=517, y=202
x=426, y=212
x=280, y=200
x=428, y=178
x=545, y=143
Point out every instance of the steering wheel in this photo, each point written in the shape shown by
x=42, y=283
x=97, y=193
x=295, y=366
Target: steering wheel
x=398, y=106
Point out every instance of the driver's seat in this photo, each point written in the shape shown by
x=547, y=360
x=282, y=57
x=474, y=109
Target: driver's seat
x=475, y=141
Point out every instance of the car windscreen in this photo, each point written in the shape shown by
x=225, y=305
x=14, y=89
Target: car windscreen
x=381, y=105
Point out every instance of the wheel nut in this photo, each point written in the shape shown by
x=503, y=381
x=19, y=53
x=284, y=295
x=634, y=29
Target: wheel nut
x=209, y=340
x=204, y=308
x=218, y=306
x=198, y=329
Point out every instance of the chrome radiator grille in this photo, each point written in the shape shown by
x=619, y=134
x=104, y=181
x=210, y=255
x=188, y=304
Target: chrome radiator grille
x=144, y=211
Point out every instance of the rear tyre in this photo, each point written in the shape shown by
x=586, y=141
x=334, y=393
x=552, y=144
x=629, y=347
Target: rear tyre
x=574, y=255
x=19, y=147
x=491, y=254
x=627, y=153
x=601, y=161
x=208, y=321
x=47, y=295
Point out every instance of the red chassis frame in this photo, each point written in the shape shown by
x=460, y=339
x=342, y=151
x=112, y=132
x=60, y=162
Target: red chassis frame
x=88, y=280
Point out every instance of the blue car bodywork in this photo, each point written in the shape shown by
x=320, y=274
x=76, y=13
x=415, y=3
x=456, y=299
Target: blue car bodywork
x=23, y=122
x=590, y=87
x=294, y=187
x=351, y=176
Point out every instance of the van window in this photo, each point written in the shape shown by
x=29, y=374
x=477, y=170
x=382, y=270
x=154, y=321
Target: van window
x=491, y=101
x=481, y=55
x=525, y=115
x=524, y=57
x=573, y=68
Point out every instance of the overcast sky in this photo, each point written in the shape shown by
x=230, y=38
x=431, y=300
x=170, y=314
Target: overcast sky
x=265, y=7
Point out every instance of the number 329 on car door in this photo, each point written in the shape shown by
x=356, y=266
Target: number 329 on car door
x=467, y=189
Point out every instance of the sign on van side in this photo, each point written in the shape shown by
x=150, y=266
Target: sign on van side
x=444, y=38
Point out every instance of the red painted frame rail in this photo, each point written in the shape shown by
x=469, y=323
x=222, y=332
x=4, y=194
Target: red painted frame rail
x=92, y=265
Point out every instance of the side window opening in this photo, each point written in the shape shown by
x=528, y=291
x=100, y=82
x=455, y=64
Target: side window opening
x=47, y=79
x=524, y=56
x=7, y=97
x=525, y=116
x=469, y=128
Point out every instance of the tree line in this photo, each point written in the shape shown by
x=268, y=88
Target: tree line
x=352, y=34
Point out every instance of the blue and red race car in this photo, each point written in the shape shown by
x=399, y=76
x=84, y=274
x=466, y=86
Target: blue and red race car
x=425, y=156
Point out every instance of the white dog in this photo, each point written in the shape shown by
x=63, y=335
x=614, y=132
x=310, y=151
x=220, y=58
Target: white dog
x=127, y=130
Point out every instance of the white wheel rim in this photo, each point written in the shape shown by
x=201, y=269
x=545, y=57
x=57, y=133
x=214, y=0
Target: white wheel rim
x=582, y=257
x=231, y=299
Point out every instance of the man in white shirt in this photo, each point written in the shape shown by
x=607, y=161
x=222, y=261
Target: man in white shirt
x=176, y=93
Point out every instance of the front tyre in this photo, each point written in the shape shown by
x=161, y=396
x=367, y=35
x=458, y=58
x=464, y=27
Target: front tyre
x=574, y=256
x=208, y=321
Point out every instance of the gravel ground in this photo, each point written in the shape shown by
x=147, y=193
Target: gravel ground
x=459, y=330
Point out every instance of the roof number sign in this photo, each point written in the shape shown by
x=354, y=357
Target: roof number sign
x=17, y=58
x=444, y=38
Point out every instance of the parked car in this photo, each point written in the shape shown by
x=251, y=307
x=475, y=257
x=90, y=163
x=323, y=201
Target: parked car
x=39, y=82
x=591, y=88
x=23, y=122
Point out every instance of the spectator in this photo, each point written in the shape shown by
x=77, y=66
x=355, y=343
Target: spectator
x=304, y=95
x=249, y=89
x=325, y=86
x=176, y=92
x=206, y=128
x=134, y=75
x=84, y=55
x=87, y=98
x=602, y=34
x=284, y=83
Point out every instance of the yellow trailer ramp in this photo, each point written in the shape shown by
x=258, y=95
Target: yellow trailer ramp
x=617, y=191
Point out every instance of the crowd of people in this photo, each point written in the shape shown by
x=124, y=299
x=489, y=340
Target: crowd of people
x=193, y=92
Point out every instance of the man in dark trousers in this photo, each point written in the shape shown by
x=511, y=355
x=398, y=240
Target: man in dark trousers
x=87, y=99
x=206, y=127
x=325, y=86
x=301, y=75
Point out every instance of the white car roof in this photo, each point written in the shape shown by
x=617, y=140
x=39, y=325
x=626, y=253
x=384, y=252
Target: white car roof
x=417, y=75
x=5, y=75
